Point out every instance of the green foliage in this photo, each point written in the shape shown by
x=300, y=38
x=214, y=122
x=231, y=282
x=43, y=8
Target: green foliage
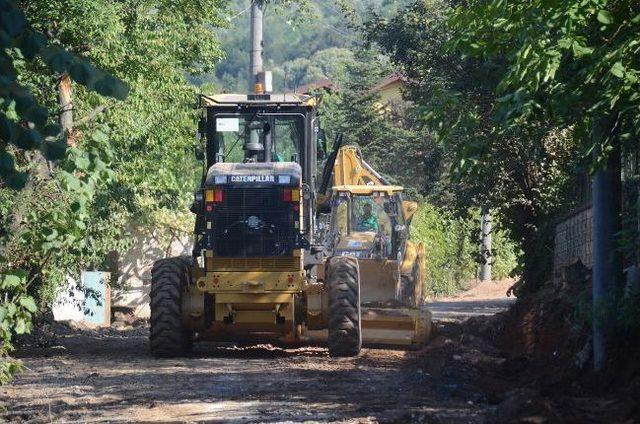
x=48, y=216
x=566, y=85
x=293, y=32
x=387, y=133
x=152, y=45
x=48, y=235
x=505, y=255
x=24, y=122
x=16, y=310
x=130, y=162
x=451, y=249
x=134, y=158
x=522, y=99
x=573, y=63
x=351, y=110
x=525, y=171
x=305, y=41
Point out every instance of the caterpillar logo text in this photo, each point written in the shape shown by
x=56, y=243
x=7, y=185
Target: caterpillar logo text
x=253, y=179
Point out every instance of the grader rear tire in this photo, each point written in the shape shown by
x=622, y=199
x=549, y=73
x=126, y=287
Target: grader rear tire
x=169, y=279
x=345, y=316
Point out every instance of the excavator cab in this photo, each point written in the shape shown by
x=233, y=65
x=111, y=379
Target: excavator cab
x=368, y=222
x=365, y=217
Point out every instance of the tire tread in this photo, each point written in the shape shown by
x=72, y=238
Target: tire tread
x=169, y=278
x=345, y=316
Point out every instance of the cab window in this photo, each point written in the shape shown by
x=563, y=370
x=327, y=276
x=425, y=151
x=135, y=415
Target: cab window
x=234, y=132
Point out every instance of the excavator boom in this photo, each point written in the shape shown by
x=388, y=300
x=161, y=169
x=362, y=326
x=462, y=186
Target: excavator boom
x=350, y=169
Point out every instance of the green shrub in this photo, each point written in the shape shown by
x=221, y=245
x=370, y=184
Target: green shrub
x=505, y=256
x=16, y=310
x=451, y=249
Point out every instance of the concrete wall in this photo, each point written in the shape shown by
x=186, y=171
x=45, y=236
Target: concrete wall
x=134, y=269
x=573, y=241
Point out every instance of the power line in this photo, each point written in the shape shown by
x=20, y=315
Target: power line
x=329, y=8
x=242, y=12
x=334, y=29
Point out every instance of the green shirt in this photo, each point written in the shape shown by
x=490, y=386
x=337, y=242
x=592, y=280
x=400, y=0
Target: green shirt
x=368, y=223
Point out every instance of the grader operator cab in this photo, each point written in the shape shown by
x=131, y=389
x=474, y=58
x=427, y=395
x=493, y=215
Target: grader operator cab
x=252, y=272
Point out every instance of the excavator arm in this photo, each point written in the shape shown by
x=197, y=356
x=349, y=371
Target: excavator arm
x=350, y=169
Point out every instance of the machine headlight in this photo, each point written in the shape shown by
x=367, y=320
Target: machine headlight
x=198, y=197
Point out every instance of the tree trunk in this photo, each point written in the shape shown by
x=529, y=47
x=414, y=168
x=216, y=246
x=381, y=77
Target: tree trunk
x=65, y=105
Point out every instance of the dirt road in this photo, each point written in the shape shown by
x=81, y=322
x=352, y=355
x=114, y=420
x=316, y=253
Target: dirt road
x=108, y=376
x=482, y=299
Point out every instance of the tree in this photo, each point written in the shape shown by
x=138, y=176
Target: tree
x=523, y=171
x=295, y=31
x=575, y=65
x=152, y=45
x=387, y=136
x=143, y=145
x=29, y=138
x=25, y=123
x=572, y=62
x=129, y=163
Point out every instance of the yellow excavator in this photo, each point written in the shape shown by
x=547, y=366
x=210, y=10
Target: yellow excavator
x=367, y=218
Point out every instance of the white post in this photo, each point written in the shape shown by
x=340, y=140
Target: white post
x=485, y=245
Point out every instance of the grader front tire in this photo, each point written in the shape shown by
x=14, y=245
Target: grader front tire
x=345, y=316
x=169, y=279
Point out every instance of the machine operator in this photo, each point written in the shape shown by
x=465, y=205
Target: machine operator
x=368, y=221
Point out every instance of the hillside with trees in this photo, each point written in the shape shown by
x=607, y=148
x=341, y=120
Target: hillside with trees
x=304, y=42
x=102, y=155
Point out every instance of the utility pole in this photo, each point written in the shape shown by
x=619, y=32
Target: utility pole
x=606, y=264
x=485, y=245
x=255, y=65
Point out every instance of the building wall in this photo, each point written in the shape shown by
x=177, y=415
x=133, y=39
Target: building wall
x=134, y=269
x=392, y=92
x=573, y=241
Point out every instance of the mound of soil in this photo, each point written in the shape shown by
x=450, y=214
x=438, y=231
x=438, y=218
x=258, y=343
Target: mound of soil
x=545, y=374
x=47, y=332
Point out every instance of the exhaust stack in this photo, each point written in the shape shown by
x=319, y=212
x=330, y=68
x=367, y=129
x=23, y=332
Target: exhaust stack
x=260, y=82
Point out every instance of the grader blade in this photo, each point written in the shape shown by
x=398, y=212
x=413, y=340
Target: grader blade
x=385, y=320
x=403, y=327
